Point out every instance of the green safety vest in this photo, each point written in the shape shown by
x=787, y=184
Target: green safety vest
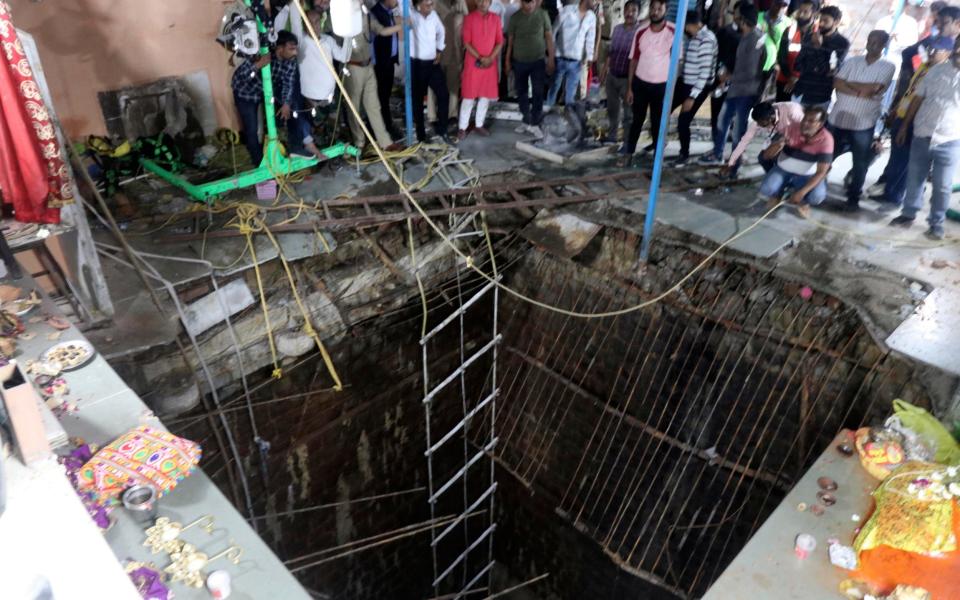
x=774, y=35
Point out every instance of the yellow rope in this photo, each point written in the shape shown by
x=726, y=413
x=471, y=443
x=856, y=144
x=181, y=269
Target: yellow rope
x=247, y=214
x=248, y=223
x=307, y=325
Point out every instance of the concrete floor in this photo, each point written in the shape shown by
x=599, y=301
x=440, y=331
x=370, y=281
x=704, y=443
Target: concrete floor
x=855, y=256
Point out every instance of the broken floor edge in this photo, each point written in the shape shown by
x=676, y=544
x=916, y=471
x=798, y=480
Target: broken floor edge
x=877, y=332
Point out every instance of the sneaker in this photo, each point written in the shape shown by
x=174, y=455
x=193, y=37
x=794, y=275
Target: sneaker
x=708, y=159
x=609, y=139
x=901, y=221
x=522, y=128
x=535, y=131
x=877, y=190
x=935, y=233
x=482, y=131
x=681, y=161
x=648, y=149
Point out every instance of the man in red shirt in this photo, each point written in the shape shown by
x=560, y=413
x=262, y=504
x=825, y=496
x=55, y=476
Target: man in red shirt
x=804, y=155
x=804, y=22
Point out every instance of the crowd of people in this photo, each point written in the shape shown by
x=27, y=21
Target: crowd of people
x=778, y=66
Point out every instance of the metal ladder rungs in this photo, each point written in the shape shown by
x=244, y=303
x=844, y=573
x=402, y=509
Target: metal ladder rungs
x=469, y=510
x=456, y=373
x=464, y=554
x=473, y=581
x=460, y=310
x=463, y=471
x=462, y=423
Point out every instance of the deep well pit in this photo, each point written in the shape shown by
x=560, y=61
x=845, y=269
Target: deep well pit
x=637, y=453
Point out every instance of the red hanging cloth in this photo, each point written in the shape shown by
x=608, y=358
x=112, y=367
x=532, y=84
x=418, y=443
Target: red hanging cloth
x=33, y=176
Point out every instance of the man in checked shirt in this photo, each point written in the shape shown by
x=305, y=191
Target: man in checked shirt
x=286, y=93
x=248, y=96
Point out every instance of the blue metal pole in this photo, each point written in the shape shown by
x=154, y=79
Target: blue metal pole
x=664, y=125
x=407, y=75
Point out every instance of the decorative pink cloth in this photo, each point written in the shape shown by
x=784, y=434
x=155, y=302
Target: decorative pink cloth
x=483, y=32
x=33, y=176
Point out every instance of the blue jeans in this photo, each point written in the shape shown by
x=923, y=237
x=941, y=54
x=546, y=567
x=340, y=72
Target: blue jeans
x=777, y=181
x=249, y=113
x=569, y=70
x=299, y=129
x=944, y=158
x=299, y=125
x=530, y=75
x=859, y=143
x=736, y=112
x=895, y=172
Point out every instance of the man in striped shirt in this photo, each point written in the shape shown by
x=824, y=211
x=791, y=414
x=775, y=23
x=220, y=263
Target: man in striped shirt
x=804, y=155
x=697, y=81
x=861, y=84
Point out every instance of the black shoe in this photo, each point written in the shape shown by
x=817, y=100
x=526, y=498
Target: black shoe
x=844, y=207
x=901, y=221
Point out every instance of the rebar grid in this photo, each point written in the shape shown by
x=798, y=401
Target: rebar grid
x=669, y=435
